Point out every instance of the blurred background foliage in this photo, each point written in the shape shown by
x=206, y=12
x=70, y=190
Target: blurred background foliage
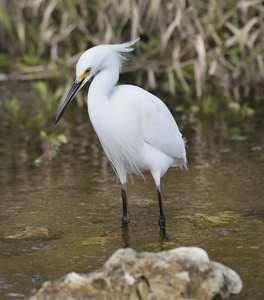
x=207, y=56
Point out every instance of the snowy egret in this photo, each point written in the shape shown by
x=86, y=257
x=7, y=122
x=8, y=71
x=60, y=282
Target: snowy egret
x=136, y=129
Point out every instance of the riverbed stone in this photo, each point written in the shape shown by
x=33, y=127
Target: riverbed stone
x=28, y=233
x=180, y=273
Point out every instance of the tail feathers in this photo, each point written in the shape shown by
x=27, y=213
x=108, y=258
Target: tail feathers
x=180, y=162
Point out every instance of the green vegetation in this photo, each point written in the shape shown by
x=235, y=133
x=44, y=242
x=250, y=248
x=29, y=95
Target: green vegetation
x=210, y=53
x=13, y=107
x=49, y=99
x=54, y=143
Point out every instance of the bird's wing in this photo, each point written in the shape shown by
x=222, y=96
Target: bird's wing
x=159, y=128
x=157, y=125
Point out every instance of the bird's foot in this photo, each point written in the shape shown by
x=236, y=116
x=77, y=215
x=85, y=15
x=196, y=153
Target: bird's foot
x=125, y=221
x=162, y=225
x=162, y=222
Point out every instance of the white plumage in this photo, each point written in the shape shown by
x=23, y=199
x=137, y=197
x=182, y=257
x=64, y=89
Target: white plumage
x=136, y=129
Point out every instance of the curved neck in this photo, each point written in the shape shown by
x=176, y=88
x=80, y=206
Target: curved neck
x=103, y=83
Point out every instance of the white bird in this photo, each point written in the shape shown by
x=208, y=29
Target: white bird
x=136, y=129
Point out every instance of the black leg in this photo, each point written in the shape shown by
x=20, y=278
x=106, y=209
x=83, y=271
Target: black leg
x=125, y=218
x=162, y=221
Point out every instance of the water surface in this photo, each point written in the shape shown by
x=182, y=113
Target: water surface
x=65, y=215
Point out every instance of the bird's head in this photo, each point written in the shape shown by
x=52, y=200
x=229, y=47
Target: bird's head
x=92, y=61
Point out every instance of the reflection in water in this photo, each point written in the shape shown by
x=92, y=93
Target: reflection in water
x=126, y=236
x=65, y=216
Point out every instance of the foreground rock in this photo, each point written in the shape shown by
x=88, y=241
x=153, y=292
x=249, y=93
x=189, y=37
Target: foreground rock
x=181, y=273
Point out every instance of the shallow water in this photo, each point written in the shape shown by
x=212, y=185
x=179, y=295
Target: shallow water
x=65, y=215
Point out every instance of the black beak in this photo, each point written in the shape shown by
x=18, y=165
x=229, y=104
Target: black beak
x=74, y=90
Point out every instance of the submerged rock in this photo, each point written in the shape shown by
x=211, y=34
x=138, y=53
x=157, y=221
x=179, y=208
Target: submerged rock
x=180, y=273
x=29, y=233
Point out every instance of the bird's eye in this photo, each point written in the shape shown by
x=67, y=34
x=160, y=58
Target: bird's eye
x=88, y=70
